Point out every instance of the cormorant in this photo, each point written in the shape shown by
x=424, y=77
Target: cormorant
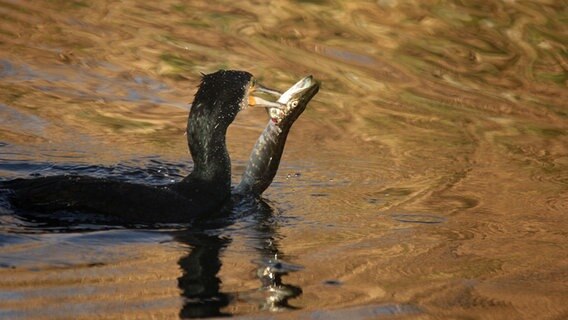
x=221, y=95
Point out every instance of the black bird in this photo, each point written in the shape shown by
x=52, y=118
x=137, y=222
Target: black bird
x=221, y=95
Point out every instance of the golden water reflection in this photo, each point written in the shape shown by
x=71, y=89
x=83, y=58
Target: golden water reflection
x=430, y=173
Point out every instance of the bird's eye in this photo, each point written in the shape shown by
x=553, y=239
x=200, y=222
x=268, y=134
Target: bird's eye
x=293, y=103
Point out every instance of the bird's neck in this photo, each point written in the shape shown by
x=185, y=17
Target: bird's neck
x=208, y=149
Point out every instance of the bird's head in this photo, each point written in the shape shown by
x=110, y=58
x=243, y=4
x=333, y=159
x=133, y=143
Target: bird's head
x=222, y=94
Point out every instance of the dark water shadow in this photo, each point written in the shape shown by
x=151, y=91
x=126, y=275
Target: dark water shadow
x=200, y=284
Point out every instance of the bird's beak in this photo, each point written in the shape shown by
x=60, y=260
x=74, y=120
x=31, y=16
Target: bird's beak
x=255, y=101
x=262, y=89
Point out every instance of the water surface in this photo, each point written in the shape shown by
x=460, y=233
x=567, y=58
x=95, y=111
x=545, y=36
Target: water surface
x=428, y=179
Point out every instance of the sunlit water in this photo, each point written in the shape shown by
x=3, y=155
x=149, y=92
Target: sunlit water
x=427, y=179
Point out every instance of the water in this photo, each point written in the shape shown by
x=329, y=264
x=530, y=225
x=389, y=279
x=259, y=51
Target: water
x=427, y=179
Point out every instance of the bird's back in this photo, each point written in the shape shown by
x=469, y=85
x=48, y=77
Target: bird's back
x=117, y=199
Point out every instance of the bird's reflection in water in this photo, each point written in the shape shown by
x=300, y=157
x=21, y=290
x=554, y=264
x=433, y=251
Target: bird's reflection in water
x=200, y=284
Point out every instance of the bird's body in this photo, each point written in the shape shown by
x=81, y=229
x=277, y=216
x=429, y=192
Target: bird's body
x=117, y=199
